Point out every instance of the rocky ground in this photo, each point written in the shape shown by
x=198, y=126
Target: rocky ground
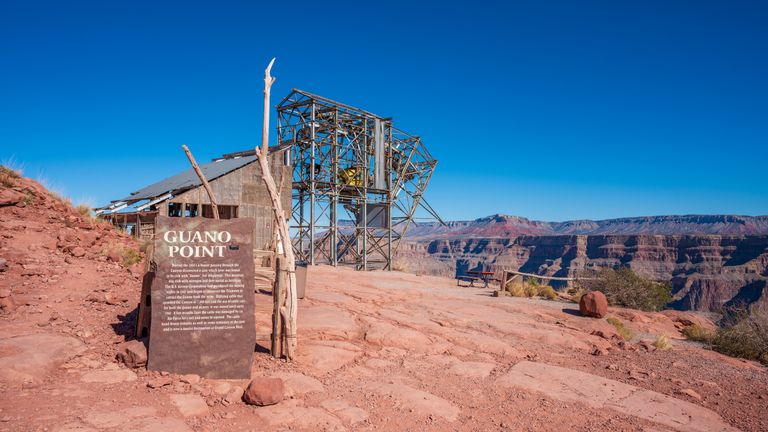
x=377, y=351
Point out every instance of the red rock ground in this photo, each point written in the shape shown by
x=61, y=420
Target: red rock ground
x=377, y=351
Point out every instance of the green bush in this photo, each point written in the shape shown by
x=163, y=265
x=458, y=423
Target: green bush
x=624, y=287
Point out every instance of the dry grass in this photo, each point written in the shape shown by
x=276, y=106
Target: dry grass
x=8, y=176
x=621, y=329
x=516, y=289
x=84, y=211
x=530, y=289
x=128, y=256
x=698, y=333
x=547, y=292
x=662, y=343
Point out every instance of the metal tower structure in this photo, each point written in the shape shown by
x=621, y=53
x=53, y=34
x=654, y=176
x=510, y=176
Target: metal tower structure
x=357, y=181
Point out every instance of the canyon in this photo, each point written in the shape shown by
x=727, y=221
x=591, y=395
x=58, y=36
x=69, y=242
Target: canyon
x=710, y=261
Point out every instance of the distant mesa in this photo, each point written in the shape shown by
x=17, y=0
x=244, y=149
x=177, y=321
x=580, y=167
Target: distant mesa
x=506, y=226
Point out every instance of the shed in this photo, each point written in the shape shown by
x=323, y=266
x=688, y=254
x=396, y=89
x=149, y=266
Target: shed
x=237, y=185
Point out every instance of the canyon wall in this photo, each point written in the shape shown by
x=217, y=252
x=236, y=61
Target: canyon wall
x=706, y=272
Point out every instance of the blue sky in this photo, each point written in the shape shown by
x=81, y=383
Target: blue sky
x=549, y=110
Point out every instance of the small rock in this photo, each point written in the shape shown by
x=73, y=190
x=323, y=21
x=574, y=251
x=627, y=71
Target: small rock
x=190, y=379
x=234, y=395
x=7, y=304
x=159, y=382
x=133, y=354
x=613, y=367
x=96, y=297
x=690, y=392
x=78, y=252
x=597, y=351
x=109, y=376
x=647, y=345
x=190, y=405
x=221, y=388
x=3, y=265
x=264, y=391
x=593, y=304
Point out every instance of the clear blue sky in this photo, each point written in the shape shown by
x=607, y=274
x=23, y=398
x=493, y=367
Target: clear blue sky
x=549, y=110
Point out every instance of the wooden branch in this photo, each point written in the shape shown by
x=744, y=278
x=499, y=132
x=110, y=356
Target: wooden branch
x=290, y=268
x=268, y=81
x=289, y=309
x=205, y=183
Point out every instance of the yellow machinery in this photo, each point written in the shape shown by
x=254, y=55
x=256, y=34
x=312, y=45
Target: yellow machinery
x=351, y=177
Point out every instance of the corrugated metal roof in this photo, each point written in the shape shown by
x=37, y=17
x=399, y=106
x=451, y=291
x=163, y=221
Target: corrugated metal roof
x=188, y=179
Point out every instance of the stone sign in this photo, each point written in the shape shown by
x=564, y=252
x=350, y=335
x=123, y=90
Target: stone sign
x=202, y=297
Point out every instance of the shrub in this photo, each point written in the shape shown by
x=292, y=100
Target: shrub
x=623, y=331
x=698, y=333
x=747, y=337
x=624, y=287
x=662, y=343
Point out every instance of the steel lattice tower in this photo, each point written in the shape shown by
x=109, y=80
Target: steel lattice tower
x=357, y=181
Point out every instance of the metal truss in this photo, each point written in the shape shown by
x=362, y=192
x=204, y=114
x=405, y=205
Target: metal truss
x=357, y=181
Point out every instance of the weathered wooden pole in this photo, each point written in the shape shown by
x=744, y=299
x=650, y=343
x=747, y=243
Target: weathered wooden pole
x=289, y=308
x=278, y=296
x=504, y=277
x=207, y=187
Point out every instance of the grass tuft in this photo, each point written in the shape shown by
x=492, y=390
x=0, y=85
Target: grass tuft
x=662, y=343
x=621, y=329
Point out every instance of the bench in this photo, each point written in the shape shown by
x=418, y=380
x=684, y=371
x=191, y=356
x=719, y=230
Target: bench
x=470, y=279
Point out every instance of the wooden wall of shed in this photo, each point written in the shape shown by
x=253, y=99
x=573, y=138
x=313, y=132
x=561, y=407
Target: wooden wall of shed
x=244, y=187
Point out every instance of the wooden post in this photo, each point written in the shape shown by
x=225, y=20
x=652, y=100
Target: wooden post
x=289, y=308
x=504, y=276
x=144, y=314
x=203, y=180
x=277, y=297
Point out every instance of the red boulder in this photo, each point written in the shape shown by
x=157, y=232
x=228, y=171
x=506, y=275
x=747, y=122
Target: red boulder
x=594, y=304
x=264, y=391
